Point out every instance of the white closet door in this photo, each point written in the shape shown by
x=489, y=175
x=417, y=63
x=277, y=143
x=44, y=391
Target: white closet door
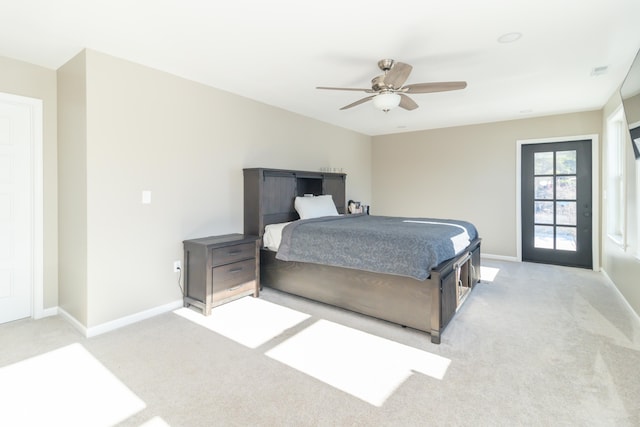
x=16, y=210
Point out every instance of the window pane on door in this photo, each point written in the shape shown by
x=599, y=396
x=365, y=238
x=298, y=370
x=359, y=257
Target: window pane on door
x=543, y=213
x=566, y=162
x=543, y=187
x=566, y=238
x=566, y=187
x=543, y=163
x=566, y=213
x=543, y=236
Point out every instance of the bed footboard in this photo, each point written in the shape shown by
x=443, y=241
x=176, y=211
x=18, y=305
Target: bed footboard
x=426, y=305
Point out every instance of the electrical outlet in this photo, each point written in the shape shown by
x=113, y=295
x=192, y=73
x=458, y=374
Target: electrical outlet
x=176, y=266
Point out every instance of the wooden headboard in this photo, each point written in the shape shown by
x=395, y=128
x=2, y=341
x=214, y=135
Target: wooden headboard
x=269, y=194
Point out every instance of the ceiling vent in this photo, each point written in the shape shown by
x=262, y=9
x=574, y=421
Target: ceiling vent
x=598, y=71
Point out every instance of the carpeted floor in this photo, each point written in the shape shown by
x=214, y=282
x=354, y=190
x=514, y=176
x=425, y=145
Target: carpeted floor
x=538, y=345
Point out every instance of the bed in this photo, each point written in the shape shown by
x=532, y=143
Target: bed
x=425, y=299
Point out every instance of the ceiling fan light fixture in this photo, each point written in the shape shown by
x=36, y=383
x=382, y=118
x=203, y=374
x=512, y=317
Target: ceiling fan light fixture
x=386, y=101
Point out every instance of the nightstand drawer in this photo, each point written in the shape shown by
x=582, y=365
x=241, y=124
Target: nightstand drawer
x=229, y=254
x=234, y=292
x=230, y=275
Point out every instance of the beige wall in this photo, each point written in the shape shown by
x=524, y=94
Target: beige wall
x=72, y=184
x=620, y=264
x=129, y=128
x=21, y=78
x=466, y=172
x=187, y=143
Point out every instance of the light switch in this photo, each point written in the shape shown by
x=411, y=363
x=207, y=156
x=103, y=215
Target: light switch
x=146, y=197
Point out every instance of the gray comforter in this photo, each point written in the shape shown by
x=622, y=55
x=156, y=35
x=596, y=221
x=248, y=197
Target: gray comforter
x=393, y=245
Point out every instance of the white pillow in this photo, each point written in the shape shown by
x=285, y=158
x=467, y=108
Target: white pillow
x=314, y=207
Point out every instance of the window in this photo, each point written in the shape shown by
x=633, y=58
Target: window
x=555, y=200
x=615, y=185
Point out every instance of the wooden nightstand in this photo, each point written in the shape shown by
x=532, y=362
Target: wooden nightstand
x=219, y=269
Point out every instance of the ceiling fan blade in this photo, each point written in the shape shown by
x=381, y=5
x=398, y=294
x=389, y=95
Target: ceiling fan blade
x=433, y=87
x=343, y=88
x=361, y=101
x=397, y=75
x=407, y=103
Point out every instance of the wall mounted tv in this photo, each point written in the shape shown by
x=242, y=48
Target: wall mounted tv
x=630, y=93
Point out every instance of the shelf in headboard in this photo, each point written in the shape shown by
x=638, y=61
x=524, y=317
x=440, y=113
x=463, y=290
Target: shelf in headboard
x=269, y=194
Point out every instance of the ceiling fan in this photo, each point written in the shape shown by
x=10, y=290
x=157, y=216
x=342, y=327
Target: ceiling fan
x=388, y=90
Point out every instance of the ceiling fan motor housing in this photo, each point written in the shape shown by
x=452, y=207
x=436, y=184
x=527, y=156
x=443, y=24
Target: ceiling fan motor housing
x=385, y=64
x=378, y=84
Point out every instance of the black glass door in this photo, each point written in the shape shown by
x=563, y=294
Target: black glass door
x=556, y=203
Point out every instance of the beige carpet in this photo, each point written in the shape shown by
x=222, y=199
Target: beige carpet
x=539, y=345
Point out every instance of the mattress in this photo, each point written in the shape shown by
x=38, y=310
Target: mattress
x=393, y=245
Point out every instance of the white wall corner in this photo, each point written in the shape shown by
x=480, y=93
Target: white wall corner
x=69, y=318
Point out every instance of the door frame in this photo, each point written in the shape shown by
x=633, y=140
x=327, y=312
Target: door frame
x=37, y=197
x=595, y=191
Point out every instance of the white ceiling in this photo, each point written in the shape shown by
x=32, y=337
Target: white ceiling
x=278, y=51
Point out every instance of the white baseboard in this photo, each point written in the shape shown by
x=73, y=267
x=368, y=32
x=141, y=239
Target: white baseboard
x=119, y=323
x=47, y=312
x=499, y=257
x=626, y=303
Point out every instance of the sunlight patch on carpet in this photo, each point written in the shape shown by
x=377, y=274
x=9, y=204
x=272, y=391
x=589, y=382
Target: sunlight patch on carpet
x=155, y=422
x=488, y=274
x=64, y=387
x=248, y=321
x=364, y=365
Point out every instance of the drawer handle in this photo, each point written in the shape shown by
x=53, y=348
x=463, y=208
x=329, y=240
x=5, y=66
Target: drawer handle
x=234, y=252
x=236, y=270
x=234, y=288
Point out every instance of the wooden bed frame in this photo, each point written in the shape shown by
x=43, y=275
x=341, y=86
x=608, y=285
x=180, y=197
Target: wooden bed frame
x=426, y=305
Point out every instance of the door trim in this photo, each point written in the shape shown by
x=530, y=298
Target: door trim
x=37, y=193
x=595, y=191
